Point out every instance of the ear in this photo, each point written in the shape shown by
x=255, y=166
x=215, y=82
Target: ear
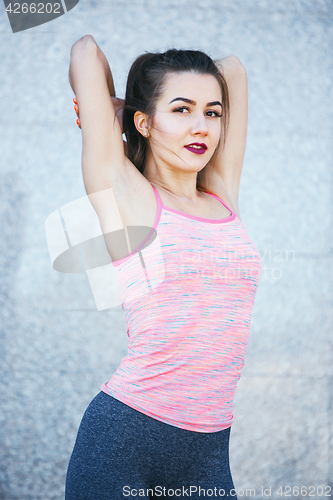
x=141, y=123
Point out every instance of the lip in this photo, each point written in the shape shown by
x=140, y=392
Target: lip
x=201, y=151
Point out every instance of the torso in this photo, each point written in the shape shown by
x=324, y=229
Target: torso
x=137, y=205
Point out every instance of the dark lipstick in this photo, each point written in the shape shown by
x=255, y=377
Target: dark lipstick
x=199, y=150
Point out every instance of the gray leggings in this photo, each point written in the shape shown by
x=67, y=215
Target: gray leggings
x=121, y=453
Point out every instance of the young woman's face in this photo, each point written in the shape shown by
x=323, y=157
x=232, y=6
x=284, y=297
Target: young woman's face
x=186, y=127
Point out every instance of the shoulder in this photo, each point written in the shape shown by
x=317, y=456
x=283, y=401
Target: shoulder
x=214, y=184
x=229, y=200
x=231, y=66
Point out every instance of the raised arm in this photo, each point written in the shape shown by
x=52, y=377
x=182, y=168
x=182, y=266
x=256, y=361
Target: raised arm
x=227, y=162
x=103, y=158
x=84, y=42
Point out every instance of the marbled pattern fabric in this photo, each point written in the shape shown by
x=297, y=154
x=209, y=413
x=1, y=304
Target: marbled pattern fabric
x=188, y=312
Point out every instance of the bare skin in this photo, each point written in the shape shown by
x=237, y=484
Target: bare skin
x=170, y=167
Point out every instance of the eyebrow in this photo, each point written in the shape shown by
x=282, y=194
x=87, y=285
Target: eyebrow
x=189, y=101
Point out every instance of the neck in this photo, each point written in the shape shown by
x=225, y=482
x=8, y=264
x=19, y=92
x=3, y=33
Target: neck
x=175, y=182
x=178, y=192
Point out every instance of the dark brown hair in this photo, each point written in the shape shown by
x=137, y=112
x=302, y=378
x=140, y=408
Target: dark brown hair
x=145, y=86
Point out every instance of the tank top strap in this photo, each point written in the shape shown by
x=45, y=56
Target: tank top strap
x=159, y=207
x=158, y=199
x=221, y=201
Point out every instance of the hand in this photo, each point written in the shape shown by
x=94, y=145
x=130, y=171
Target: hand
x=118, y=105
x=76, y=108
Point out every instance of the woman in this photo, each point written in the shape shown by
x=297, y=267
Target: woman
x=160, y=427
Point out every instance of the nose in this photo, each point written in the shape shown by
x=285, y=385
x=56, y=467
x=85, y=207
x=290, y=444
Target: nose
x=200, y=125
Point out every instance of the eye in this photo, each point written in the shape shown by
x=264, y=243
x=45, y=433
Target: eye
x=213, y=113
x=182, y=109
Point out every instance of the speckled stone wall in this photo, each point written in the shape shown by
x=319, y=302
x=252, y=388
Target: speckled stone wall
x=57, y=349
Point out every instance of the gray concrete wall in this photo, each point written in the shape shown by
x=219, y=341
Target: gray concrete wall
x=57, y=349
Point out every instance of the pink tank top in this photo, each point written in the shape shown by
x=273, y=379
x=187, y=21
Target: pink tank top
x=187, y=296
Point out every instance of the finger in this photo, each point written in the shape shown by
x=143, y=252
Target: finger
x=78, y=122
x=74, y=100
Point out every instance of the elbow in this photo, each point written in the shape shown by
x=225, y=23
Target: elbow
x=232, y=66
x=236, y=61
x=87, y=42
x=237, y=66
x=81, y=53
